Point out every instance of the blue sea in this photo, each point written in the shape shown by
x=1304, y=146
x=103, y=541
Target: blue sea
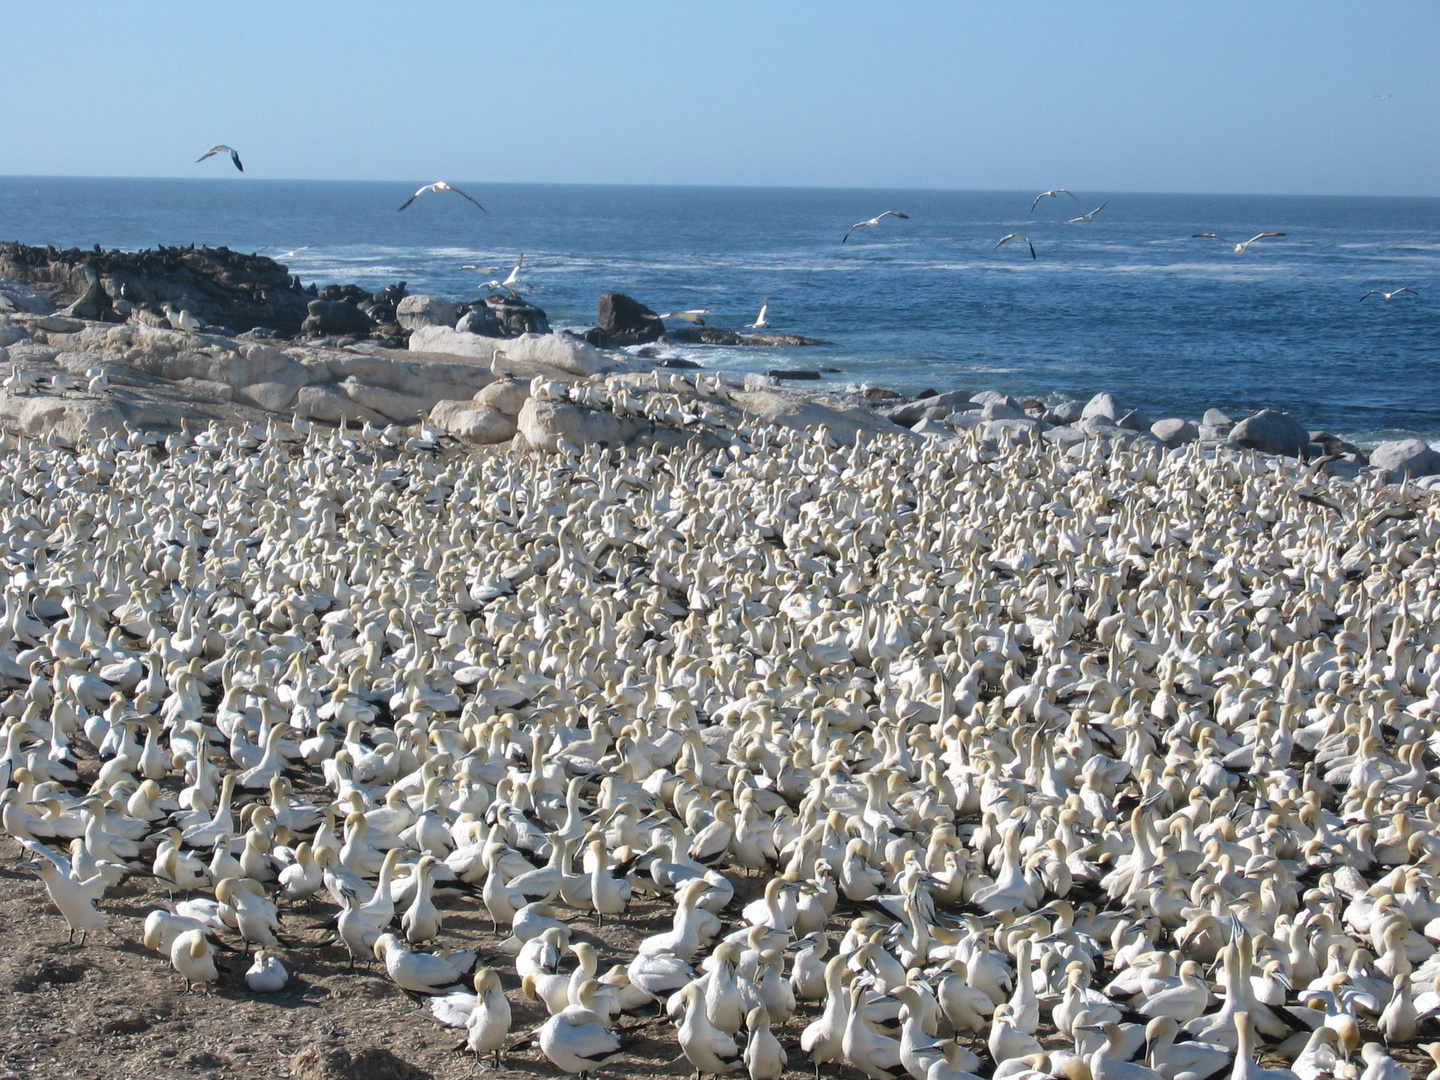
x=1128, y=302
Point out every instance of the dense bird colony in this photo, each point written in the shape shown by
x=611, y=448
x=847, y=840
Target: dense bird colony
x=950, y=759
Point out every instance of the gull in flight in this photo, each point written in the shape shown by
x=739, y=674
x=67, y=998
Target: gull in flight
x=510, y=278
x=222, y=149
x=873, y=222
x=1389, y=295
x=1051, y=195
x=760, y=321
x=1089, y=216
x=1015, y=236
x=691, y=316
x=439, y=185
x=1239, y=248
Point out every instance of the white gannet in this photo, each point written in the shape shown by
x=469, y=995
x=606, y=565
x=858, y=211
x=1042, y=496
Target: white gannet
x=1054, y=193
x=872, y=223
x=222, y=149
x=760, y=321
x=1239, y=248
x=1389, y=295
x=1086, y=217
x=181, y=319
x=1015, y=236
x=439, y=185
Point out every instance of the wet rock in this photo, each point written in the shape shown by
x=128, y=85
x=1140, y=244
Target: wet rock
x=1271, y=432
x=480, y=321
x=1067, y=412
x=1134, y=420
x=627, y=321
x=793, y=374
x=335, y=317
x=1174, y=432
x=601, y=340
x=678, y=362
x=424, y=310
x=1413, y=456
x=382, y=306
x=1333, y=444
x=718, y=335
x=517, y=316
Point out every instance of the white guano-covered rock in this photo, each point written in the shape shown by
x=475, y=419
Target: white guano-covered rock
x=470, y=420
x=1413, y=456
x=545, y=424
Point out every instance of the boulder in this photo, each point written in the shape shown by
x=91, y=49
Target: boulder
x=506, y=396
x=402, y=408
x=931, y=427
x=335, y=317
x=986, y=397
x=1271, y=432
x=1101, y=406
x=9, y=335
x=627, y=321
x=1215, y=418
x=1134, y=420
x=381, y=307
x=326, y=402
x=934, y=406
x=998, y=409
x=470, y=420
x=565, y=352
x=481, y=321
x=1067, y=412
x=1174, y=432
x=543, y=425
x=424, y=310
x=517, y=316
x=1413, y=456
x=17, y=296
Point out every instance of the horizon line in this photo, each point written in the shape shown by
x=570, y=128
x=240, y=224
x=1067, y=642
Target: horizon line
x=710, y=187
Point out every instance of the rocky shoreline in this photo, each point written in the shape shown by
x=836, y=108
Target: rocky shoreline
x=261, y=348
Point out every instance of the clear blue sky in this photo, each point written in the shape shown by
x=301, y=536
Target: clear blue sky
x=1160, y=95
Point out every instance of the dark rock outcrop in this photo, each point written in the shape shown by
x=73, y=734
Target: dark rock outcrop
x=718, y=335
x=219, y=286
x=335, y=317
x=626, y=320
x=516, y=316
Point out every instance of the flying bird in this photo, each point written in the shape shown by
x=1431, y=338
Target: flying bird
x=439, y=185
x=690, y=316
x=1055, y=194
x=510, y=278
x=760, y=321
x=222, y=149
x=1015, y=236
x=1239, y=248
x=874, y=221
x=1389, y=295
x=1089, y=216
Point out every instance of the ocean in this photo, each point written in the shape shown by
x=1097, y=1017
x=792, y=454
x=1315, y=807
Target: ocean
x=1128, y=302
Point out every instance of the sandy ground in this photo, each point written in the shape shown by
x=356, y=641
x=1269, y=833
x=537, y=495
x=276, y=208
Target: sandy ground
x=114, y=1009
